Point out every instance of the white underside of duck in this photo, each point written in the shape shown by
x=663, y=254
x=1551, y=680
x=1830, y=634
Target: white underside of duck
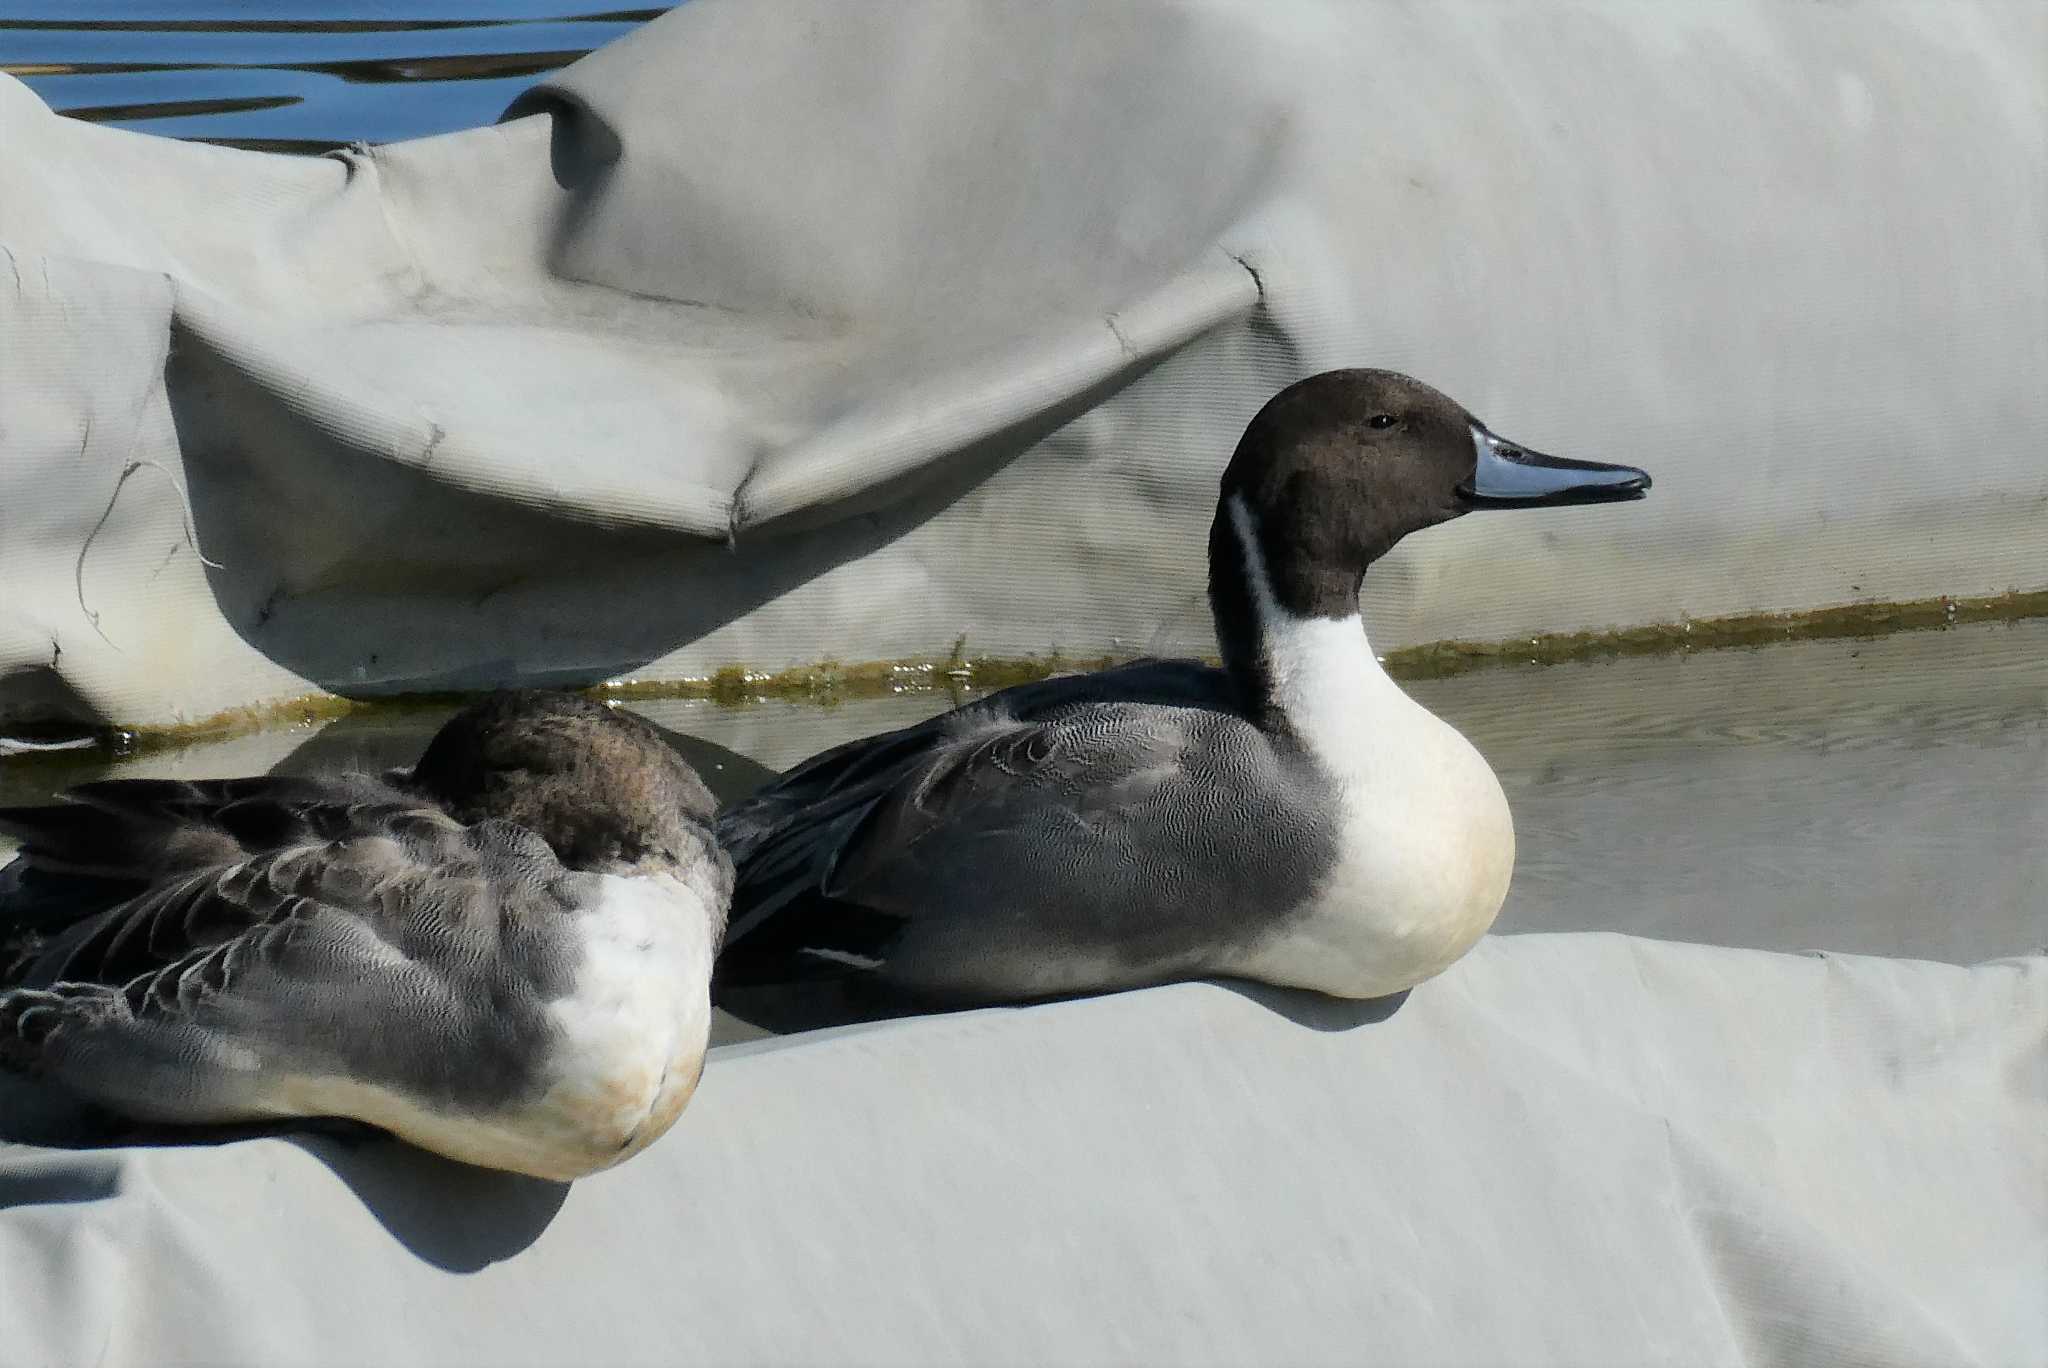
x=1426, y=844
x=627, y=1055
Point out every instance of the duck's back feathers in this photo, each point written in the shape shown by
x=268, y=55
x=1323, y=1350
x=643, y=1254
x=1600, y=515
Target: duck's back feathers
x=785, y=840
x=363, y=955
x=141, y=828
x=1014, y=848
x=835, y=790
x=109, y=841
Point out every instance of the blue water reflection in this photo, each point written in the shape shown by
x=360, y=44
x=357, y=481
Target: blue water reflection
x=291, y=75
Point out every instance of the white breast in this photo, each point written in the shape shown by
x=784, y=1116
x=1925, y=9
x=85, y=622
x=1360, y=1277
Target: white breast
x=1426, y=844
x=634, y=1030
x=628, y=1050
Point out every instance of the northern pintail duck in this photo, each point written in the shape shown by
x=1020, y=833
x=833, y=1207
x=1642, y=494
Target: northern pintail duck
x=502, y=954
x=1292, y=817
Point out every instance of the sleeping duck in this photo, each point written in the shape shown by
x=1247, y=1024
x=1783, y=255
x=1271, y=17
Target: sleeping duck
x=1292, y=817
x=502, y=955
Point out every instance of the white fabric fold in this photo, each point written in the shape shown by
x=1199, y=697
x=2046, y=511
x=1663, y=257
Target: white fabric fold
x=785, y=330
x=1570, y=1149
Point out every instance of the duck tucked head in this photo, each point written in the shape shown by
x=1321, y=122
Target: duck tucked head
x=599, y=785
x=1337, y=468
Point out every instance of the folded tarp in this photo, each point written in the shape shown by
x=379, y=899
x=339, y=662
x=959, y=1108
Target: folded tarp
x=783, y=331
x=1571, y=1149
x=786, y=330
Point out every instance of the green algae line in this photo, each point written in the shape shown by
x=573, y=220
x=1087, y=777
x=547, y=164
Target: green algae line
x=831, y=681
x=1855, y=620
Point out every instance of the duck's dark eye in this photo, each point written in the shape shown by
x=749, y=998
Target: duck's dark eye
x=1380, y=420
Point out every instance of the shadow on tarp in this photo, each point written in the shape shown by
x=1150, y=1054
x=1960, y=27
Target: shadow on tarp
x=452, y=1215
x=1317, y=1011
x=829, y=1004
x=455, y=1216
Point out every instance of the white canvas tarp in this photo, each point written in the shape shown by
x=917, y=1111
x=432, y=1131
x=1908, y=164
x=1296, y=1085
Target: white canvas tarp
x=786, y=330
x=1572, y=1150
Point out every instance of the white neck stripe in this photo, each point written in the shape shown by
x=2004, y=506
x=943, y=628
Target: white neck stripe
x=1321, y=669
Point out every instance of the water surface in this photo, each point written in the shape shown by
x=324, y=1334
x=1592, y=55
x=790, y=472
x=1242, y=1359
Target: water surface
x=1884, y=797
